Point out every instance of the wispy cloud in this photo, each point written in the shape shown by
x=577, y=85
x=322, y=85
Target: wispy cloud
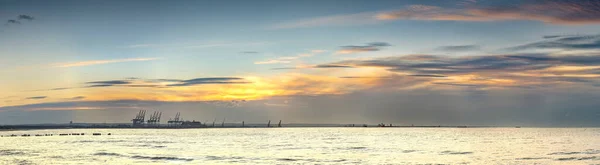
x=279, y=60
x=571, y=12
x=164, y=83
x=290, y=59
x=322, y=66
x=99, y=62
x=12, y=21
x=210, y=80
x=579, y=42
x=36, y=97
x=459, y=48
x=58, y=89
x=362, y=77
x=467, y=2
x=508, y=70
x=331, y=66
x=25, y=17
x=77, y=98
x=563, y=12
x=335, y=20
x=18, y=20
x=427, y=75
x=249, y=52
x=107, y=83
x=373, y=46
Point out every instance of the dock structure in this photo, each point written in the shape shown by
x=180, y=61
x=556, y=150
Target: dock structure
x=175, y=121
x=61, y=134
x=192, y=124
x=139, y=118
x=155, y=118
x=152, y=122
x=178, y=122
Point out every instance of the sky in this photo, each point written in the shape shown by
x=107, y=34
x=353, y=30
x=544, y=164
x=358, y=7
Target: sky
x=421, y=62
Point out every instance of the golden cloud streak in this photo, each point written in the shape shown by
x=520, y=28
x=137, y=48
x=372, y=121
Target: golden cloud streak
x=257, y=88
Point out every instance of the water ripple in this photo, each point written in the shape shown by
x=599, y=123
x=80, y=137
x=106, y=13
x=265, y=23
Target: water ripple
x=107, y=154
x=455, y=153
x=11, y=152
x=532, y=158
x=588, y=152
x=578, y=158
x=287, y=159
x=161, y=158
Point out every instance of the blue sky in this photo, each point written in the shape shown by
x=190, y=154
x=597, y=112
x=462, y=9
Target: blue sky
x=287, y=49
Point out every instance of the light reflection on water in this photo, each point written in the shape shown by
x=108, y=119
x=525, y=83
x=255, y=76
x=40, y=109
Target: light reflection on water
x=306, y=146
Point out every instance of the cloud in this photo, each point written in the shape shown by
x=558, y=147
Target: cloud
x=441, y=64
x=285, y=68
x=112, y=82
x=580, y=42
x=507, y=70
x=313, y=66
x=12, y=22
x=318, y=51
x=159, y=83
x=335, y=20
x=367, y=77
x=552, y=36
x=210, y=80
x=25, y=17
x=427, y=75
x=99, y=62
x=467, y=2
x=373, y=46
x=249, y=52
x=563, y=12
x=280, y=60
x=107, y=83
x=144, y=86
x=36, y=97
x=18, y=20
x=331, y=66
x=459, y=84
x=77, y=98
x=53, y=89
x=459, y=48
x=289, y=59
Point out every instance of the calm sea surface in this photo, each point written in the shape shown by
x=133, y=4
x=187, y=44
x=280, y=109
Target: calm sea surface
x=306, y=146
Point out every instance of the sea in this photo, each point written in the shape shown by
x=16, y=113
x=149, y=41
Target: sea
x=357, y=145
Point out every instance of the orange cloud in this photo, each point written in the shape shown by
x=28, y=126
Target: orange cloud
x=257, y=88
x=580, y=12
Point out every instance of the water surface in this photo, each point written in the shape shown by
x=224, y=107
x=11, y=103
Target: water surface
x=306, y=146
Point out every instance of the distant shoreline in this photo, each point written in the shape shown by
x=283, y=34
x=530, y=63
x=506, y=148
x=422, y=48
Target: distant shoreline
x=41, y=127
x=233, y=125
